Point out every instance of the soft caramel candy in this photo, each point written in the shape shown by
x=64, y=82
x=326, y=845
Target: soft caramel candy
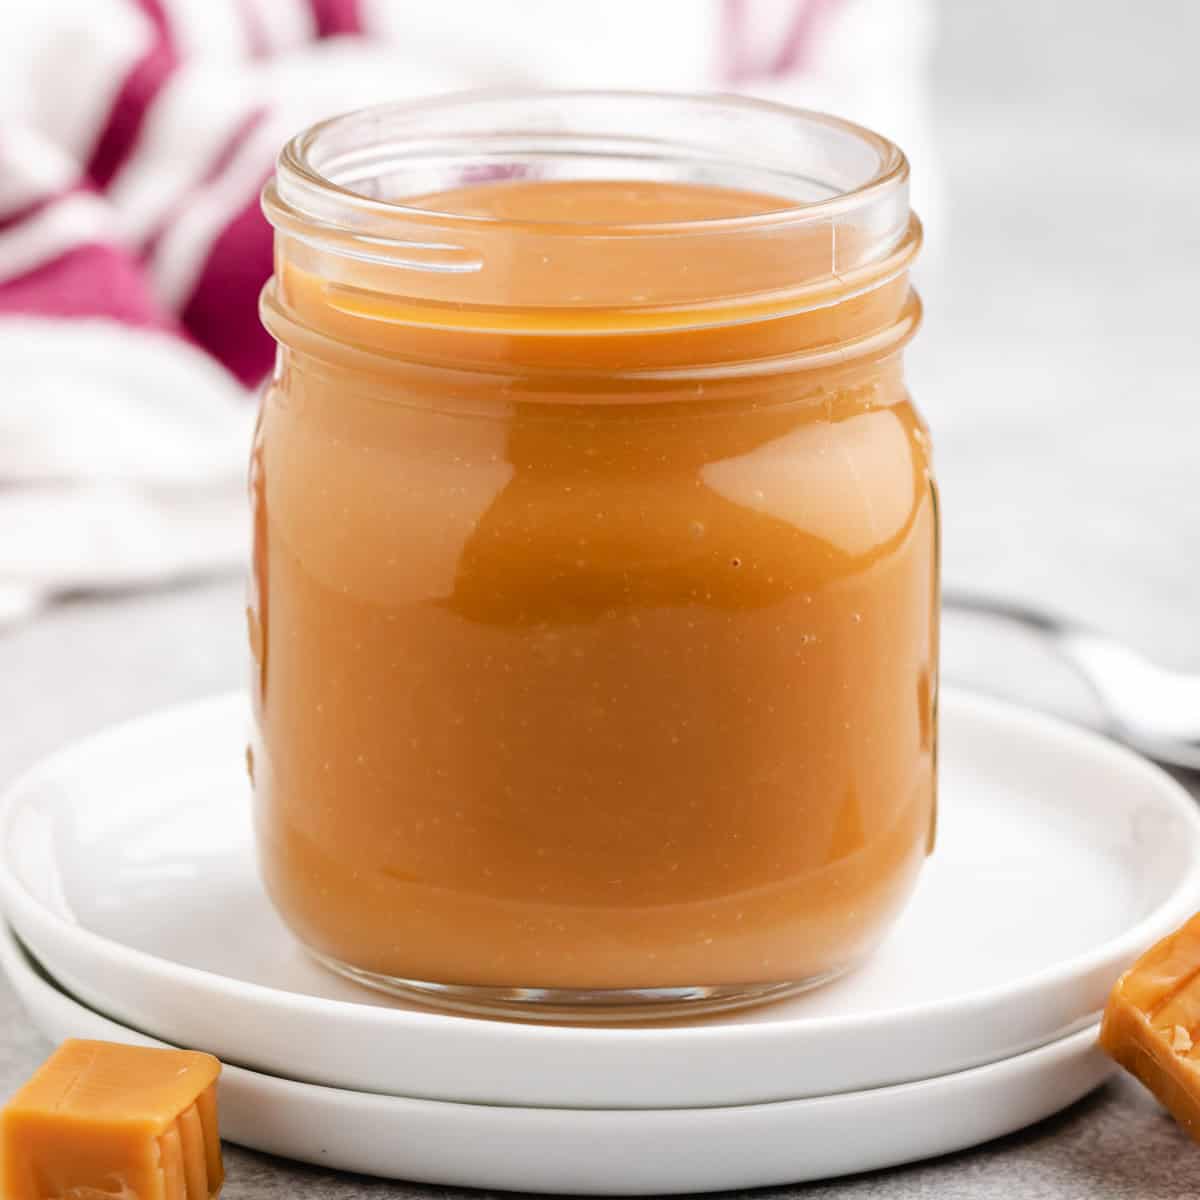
x=1152, y=1023
x=101, y=1121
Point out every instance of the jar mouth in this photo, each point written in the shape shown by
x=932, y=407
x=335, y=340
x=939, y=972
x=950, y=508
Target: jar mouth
x=354, y=202
x=360, y=156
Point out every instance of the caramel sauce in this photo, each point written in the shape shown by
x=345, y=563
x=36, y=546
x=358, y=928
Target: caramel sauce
x=595, y=648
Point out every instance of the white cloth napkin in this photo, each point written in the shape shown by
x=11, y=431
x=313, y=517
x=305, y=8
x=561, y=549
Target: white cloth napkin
x=122, y=461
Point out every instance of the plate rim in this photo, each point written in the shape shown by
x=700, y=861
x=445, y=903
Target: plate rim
x=14, y=953
x=1022, y=1089
x=1170, y=910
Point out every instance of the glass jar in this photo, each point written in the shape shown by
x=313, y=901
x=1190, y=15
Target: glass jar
x=595, y=581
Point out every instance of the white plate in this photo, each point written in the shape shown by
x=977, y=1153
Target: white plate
x=126, y=865
x=613, y=1151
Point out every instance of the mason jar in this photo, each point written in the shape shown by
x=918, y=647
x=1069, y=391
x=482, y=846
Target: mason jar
x=595, y=581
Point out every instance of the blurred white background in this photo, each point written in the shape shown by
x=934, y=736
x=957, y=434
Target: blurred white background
x=1058, y=366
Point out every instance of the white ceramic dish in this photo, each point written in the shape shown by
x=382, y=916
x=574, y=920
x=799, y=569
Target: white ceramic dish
x=126, y=865
x=612, y=1151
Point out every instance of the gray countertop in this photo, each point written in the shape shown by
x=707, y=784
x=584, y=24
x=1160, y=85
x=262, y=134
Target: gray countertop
x=1059, y=372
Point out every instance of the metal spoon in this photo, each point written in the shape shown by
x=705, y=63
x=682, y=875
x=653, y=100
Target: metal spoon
x=1152, y=708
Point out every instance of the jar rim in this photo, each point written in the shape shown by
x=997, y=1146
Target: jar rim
x=346, y=204
x=300, y=174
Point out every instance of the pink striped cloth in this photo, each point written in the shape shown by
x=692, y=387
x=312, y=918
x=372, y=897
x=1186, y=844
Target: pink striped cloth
x=134, y=138
x=134, y=197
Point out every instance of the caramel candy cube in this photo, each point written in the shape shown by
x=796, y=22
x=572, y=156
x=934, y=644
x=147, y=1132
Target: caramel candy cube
x=1152, y=1023
x=102, y=1121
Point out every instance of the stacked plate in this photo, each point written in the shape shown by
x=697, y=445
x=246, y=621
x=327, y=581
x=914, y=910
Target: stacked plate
x=127, y=877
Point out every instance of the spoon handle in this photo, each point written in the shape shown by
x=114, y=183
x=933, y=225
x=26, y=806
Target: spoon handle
x=1152, y=708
